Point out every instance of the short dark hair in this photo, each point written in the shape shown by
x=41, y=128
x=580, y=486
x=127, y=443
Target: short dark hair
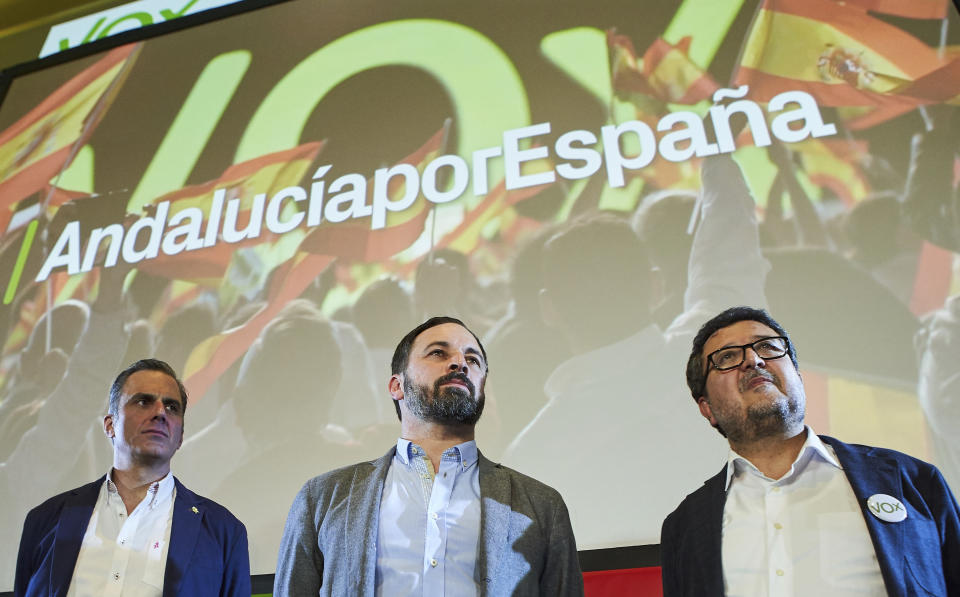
x=143, y=365
x=696, y=367
x=401, y=356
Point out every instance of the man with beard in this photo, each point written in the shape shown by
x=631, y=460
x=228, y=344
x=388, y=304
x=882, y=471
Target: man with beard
x=432, y=516
x=793, y=513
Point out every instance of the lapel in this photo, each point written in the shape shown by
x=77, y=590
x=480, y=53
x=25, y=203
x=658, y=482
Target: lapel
x=869, y=474
x=495, y=510
x=363, y=512
x=72, y=525
x=706, y=536
x=184, y=531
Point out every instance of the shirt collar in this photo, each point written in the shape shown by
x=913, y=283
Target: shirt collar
x=466, y=452
x=812, y=446
x=157, y=493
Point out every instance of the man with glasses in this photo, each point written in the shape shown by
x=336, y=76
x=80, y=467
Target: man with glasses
x=793, y=513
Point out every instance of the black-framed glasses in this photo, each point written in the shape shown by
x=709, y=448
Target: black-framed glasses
x=730, y=357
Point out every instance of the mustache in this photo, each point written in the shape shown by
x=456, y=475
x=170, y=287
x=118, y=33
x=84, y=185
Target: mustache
x=454, y=376
x=746, y=379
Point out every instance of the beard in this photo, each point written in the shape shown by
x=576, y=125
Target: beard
x=766, y=418
x=446, y=405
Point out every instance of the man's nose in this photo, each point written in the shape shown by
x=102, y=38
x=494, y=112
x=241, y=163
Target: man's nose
x=457, y=362
x=751, y=360
x=159, y=409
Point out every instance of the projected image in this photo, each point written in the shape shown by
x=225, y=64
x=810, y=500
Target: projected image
x=270, y=201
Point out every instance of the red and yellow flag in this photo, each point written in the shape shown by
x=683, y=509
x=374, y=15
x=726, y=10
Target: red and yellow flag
x=834, y=164
x=914, y=9
x=265, y=174
x=317, y=251
x=666, y=75
x=36, y=147
x=834, y=51
x=354, y=240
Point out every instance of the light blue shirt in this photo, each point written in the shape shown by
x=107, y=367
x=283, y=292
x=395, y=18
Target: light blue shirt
x=429, y=527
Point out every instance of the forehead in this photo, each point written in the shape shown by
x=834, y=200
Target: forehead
x=156, y=383
x=450, y=333
x=741, y=332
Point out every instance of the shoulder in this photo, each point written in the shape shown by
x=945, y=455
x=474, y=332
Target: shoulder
x=338, y=483
x=214, y=513
x=53, y=505
x=694, y=504
x=526, y=485
x=907, y=464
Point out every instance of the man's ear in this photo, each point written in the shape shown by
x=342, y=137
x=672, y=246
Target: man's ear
x=395, y=386
x=705, y=410
x=108, y=426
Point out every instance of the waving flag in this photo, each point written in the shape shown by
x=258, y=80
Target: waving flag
x=834, y=51
x=666, y=75
x=914, y=9
x=265, y=174
x=39, y=145
x=317, y=251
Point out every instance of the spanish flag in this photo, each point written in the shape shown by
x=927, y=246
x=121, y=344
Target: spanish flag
x=39, y=145
x=265, y=174
x=834, y=164
x=913, y=9
x=317, y=251
x=666, y=74
x=832, y=50
x=355, y=241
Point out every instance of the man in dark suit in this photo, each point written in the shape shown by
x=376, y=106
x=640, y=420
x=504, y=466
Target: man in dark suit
x=138, y=530
x=793, y=513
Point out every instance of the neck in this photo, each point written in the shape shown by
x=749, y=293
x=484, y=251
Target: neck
x=434, y=438
x=133, y=482
x=773, y=456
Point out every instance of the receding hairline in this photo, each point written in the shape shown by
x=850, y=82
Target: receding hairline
x=176, y=394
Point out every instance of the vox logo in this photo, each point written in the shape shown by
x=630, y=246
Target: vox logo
x=118, y=19
x=886, y=508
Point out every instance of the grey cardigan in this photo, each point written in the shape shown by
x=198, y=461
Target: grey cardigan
x=329, y=544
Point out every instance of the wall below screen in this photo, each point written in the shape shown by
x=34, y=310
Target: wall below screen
x=633, y=570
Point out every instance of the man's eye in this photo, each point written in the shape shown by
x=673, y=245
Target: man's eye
x=725, y=358
x=473, y=361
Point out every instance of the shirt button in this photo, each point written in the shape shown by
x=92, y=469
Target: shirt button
x=414, y=450
x=776, y=489
x=433, y=563
x=122, y=541
x=116, y=576
x=779, y=572
x=777, y=526
x=435, y=515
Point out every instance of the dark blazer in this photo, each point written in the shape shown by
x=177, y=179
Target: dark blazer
x=918, y=556
x=207, y=553
x=329, y=544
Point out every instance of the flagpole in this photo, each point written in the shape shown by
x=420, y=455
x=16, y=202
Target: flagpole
x=433, y=211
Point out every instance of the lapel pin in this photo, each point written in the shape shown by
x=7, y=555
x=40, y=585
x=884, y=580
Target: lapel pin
x=886, y=507
x=195, y=511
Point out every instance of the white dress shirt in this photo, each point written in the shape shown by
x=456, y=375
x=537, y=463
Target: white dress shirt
x=429, y=530
x=125, y=555
x=800, y=535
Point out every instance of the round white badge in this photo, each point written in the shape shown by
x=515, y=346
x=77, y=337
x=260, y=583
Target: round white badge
x=886, y=507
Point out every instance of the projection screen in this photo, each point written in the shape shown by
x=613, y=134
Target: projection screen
x=270, y=199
